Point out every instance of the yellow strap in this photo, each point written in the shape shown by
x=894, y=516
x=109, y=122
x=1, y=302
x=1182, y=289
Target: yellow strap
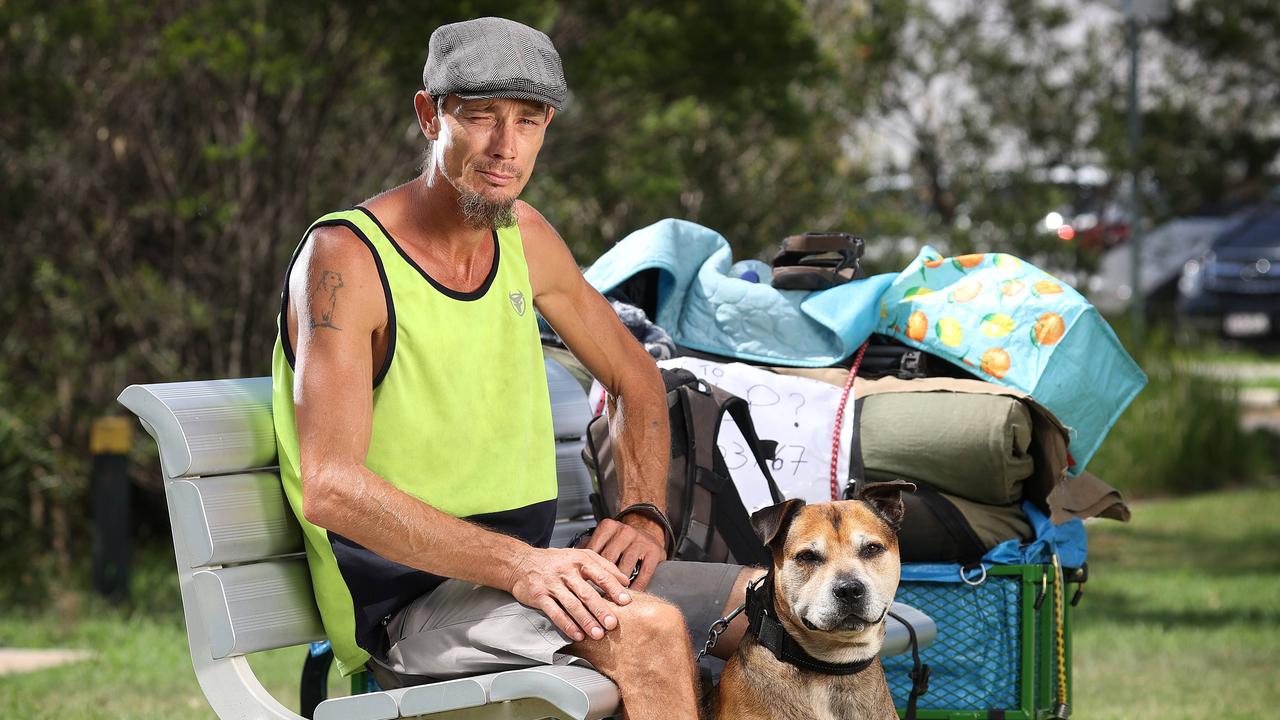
x=1059, y=596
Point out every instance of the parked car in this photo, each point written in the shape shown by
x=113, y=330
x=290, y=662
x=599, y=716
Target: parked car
x=1235, y=286
x=1166, y=249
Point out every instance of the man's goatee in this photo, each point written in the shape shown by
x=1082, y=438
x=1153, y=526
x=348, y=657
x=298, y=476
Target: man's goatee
x=479, y=212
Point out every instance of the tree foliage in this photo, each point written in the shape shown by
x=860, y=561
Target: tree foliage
x=168, y=157
x=160, y=160
x=972, y=104
x=1211, y=119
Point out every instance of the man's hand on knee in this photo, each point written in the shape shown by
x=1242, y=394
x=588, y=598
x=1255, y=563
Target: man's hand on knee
x=560, y=584
x=629, y=549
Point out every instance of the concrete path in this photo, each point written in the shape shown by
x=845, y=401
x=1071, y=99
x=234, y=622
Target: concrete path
x=17, y=660
x=1260, y=409
x=1242, y=371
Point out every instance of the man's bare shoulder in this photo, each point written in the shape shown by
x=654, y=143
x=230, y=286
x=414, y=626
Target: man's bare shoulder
x=534, y=227
x=541, y=241
x=335, y=257
x=339, y=243
x=340, y=248
x=551, y=265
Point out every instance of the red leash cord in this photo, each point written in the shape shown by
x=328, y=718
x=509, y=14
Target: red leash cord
x=835, y=437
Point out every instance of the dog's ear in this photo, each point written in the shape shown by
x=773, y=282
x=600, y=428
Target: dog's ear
x=771, y=523
x=885, y=499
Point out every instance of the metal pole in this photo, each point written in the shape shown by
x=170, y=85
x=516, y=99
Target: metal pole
x=1136, y=302
x=109, y=441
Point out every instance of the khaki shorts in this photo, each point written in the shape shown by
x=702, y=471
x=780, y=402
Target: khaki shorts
x=462, y=629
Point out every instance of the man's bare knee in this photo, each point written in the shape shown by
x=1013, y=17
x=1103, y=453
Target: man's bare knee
x=644, y=625
x=649, y=620
x=657, y=617
x=649, y=658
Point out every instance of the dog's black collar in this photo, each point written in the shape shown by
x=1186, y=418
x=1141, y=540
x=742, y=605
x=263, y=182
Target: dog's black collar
x=769, y=633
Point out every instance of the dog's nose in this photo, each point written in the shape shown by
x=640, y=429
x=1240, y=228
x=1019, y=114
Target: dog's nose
x=849, y=590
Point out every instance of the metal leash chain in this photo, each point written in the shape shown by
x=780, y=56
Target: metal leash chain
x=717, y=629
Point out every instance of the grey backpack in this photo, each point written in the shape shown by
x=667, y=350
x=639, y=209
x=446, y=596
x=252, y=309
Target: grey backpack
x=706, y=512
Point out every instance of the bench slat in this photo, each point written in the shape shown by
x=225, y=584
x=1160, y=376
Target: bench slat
x=369, y=706
x=234, y=518
x=580, y=692
x=570, y=412
x=242, y=518
x=443, y=696
x=255, y=607
x=207, y=427
x=896, y=638
x=574, y=480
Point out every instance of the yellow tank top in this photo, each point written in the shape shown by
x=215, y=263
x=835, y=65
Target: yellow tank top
x=461, y=420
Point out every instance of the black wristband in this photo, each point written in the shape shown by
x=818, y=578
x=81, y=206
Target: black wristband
x=652, y=512
x=573, y=543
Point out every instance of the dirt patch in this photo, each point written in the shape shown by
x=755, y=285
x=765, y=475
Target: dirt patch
x=17, y=660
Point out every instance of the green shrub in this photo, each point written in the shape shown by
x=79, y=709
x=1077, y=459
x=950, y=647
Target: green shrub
x=1182, y=434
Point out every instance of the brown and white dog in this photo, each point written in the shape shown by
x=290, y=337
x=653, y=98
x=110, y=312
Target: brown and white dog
x=835, y=571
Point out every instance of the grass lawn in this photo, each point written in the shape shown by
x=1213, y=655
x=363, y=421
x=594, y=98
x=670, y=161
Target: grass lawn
x=141, y=668
x=1180, y=620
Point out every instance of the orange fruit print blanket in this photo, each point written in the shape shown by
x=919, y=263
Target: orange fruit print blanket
x=1008, y=322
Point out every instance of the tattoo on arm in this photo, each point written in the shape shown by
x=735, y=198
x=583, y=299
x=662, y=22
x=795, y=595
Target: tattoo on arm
x=326, y=288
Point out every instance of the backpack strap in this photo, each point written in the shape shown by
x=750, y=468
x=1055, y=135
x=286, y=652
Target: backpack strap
x=716, y=506
x=740, y=411
x=731, y=519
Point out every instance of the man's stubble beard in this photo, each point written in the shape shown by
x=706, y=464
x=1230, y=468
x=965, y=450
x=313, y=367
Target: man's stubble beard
x=480, y=213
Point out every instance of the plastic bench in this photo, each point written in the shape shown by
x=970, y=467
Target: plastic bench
x=244, y=580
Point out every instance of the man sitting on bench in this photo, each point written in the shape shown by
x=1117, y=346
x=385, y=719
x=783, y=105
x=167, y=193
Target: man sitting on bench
x=413, y=419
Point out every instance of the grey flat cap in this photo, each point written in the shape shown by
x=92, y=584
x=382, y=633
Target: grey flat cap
x=494, y=58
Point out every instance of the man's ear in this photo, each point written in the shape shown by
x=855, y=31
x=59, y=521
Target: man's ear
x=771, y=523
x=885, y=499
x=428, y=115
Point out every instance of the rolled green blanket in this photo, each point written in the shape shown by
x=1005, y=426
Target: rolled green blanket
x=972, y=445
